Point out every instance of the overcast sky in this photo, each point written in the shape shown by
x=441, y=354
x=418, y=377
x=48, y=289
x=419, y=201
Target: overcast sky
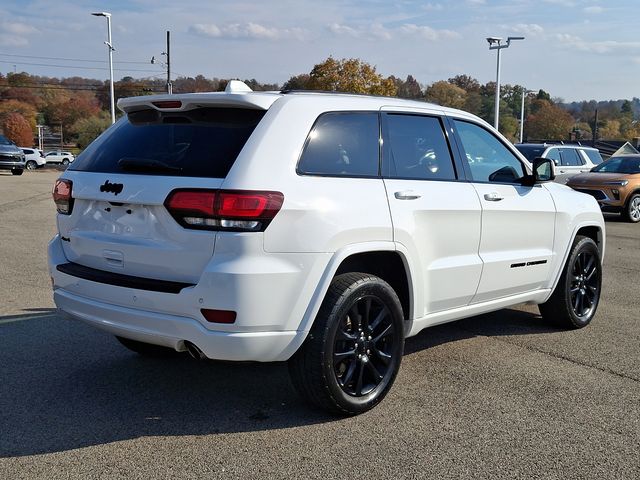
x=576, y=50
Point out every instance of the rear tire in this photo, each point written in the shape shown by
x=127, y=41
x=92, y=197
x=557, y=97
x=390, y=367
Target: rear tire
x=65, y=161
x=17, y=171
x=574, y=301
x=352, y=354
x=31, y=165
x=147, y=349
x=632, y=210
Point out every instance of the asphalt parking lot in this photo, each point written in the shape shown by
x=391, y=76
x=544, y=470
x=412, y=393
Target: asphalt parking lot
x=502, y=395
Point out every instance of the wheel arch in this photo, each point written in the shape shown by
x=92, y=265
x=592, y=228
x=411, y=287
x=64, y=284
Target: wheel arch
x=360, y=255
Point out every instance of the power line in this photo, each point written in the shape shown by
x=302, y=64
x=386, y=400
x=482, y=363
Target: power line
x=67, y=59
x=76, y=66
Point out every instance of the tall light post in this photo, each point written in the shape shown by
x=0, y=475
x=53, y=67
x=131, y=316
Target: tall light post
x=495, y=43
x=111, y=49
x=524, y=92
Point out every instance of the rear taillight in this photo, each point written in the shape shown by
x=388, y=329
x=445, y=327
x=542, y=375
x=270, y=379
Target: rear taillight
x=235, y=210
x=62, y=196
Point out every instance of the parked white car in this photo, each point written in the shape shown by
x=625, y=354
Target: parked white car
x=33, y=158
x=321, y=229
x=65, y=158
x=570, y=159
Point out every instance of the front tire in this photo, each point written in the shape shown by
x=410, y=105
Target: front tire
x=31, y=165
x=17, y=171
x=632, y=210
x=575, y=299
x=352, y=354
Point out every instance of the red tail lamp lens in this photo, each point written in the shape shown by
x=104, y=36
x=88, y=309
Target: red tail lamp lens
x=253, y=205
x=196, y=202
x=218, y=316
x=168, y=104
x=62, y=196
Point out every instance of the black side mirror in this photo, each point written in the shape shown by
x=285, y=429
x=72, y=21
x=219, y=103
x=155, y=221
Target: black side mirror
x=543, y=171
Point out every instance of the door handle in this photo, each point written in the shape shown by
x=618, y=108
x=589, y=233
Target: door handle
x=492, y=197
x=407, y=195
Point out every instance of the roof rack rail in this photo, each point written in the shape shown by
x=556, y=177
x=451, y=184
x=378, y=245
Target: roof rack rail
x=287, y=91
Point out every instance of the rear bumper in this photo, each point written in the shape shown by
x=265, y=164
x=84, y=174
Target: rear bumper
x=173, y=331
x=269, y=292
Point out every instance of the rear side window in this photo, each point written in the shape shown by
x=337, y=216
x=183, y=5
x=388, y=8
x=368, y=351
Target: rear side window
x=569, y=157
x=198, y=143
x=531, y=153
x=416, y=148
x=342, y=144
x=594, y=156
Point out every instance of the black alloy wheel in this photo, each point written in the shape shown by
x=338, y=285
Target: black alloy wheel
x=351, y=356
x=575, y=299
x=363, y=346
x=584, y=284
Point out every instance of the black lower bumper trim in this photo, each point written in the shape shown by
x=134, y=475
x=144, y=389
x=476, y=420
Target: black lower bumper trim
x=120, y=280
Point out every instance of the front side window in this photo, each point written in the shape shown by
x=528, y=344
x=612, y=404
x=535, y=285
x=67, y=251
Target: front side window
x=342, y=144
x=488, y=158
x=554, y=154
x=416, y=147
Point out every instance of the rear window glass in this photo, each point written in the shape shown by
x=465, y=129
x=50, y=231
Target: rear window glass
x=342, y=144
x=198, y=143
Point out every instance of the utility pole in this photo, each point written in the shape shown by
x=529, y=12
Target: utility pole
x=595, y=129
x=169, y=86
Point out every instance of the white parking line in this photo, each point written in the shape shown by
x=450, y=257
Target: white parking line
x=22, y=318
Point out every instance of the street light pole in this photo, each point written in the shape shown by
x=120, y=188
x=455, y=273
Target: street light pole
x=495, y=43
x=109, y=45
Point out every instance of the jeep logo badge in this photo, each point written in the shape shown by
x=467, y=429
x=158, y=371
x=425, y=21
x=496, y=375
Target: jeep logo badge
x=114, y=188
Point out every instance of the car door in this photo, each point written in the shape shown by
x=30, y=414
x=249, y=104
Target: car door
x=516, y=245
x=571, y=163
x=436, y=217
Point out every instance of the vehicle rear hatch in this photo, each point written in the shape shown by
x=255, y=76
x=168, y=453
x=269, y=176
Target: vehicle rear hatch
x=120, y=183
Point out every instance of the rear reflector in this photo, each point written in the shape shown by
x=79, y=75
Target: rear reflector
x=236, y=210
x=218, y=316
x=168, y=104
x=62, y=196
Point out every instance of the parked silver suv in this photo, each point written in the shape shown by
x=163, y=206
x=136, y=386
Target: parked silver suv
x=570, y=159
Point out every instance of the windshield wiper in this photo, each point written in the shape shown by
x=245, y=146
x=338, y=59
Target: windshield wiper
x=146, y=165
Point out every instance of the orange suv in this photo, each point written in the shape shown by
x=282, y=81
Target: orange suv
x=615, y=184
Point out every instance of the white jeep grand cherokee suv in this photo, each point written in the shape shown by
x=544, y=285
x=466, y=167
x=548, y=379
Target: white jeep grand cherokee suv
x=317, y=228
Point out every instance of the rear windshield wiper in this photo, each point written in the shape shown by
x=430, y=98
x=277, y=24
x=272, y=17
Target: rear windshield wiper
x=146, y=165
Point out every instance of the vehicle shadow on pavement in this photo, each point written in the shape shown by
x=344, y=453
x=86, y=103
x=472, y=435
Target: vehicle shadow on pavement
x=501, y=323
x=65, y=385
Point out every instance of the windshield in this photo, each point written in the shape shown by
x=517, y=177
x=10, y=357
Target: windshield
x=5, y=141
x=530, y=152
x=198, y=143
x=628, y=165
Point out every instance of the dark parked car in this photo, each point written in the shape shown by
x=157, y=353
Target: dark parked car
x=11, y=157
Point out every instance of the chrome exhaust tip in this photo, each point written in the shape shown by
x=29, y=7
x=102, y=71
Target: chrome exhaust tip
x=194, y=351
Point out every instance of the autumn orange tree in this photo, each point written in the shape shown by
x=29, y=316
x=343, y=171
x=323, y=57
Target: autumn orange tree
x=350, y=75
x=548, y=121
x=17, y=129
x=446, y=94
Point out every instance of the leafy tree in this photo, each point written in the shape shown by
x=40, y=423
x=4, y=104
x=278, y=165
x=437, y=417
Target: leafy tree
x=409, y=88
x=27, y=111
x=298, y=82
x=446, y=94
x=467, y=83
x=549, y=122
x=17, y=129
x=610, y=130
x=542, y=95
x=86, y=130
x=350, y=75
